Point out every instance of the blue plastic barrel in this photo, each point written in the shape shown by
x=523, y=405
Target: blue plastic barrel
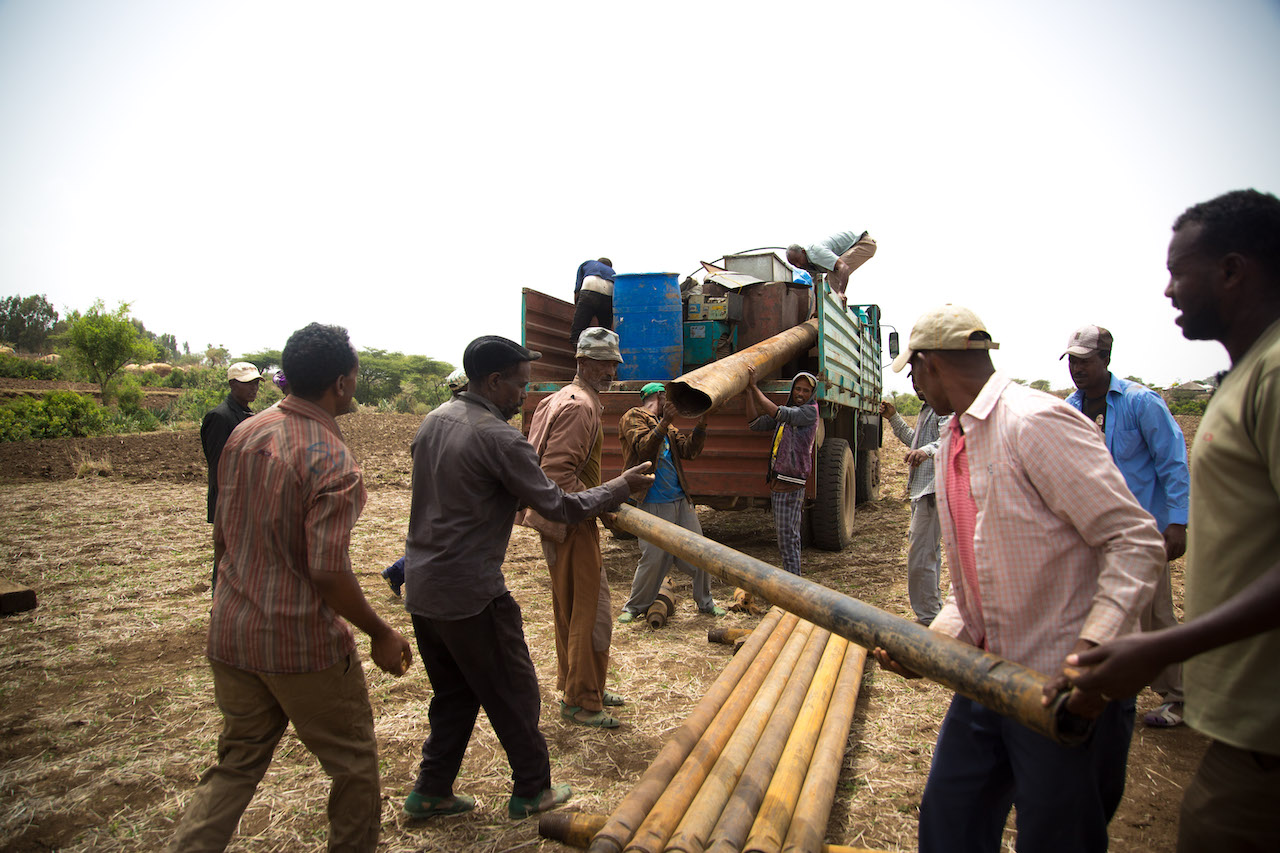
x=647, y=318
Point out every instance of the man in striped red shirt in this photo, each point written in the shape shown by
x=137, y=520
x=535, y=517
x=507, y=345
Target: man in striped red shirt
x=279, y=647
x=1049, y=554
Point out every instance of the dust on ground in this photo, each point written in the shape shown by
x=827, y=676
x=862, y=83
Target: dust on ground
x=106, y=711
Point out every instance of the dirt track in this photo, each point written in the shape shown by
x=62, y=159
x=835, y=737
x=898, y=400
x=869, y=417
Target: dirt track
x=107, y=716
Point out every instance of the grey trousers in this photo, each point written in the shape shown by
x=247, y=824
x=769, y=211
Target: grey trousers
x=924, y=558
x=655, y=562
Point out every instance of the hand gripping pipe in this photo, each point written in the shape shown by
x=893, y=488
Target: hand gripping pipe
x=699, y=391
x=1006, y=687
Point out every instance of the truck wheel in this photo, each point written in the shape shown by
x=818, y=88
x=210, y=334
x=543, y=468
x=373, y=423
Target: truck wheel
x=868, y=475
x=837, y=493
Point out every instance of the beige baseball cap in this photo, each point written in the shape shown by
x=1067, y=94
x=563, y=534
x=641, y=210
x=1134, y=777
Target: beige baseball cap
x=243, y=371
x=1087, y=340
x=599, y=344
x=945, y=328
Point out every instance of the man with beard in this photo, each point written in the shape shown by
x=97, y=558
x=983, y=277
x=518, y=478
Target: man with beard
x=567, y=433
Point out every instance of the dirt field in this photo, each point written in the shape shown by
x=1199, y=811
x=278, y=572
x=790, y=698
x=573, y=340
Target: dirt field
x=106, y=711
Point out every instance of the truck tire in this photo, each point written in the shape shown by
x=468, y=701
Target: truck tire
x=837, y=493
x=868, y=475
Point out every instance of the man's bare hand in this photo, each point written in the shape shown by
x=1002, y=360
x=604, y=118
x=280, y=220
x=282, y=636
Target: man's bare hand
x=1175, y=541
x=915, y=457
x=887, y=409
x=669, y=412
x=638, y=478
x=391, y=652
x=886, y=662
x=751, y=375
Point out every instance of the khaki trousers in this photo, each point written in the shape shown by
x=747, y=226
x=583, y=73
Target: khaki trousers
x=1156, y=615
x=858, y=254
x=584, y=627
x=331, y=715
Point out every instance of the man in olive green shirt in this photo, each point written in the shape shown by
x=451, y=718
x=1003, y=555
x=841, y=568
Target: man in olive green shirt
x=1224, y=276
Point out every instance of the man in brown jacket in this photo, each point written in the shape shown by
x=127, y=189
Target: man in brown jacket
x=567, y=434
x=647, y=435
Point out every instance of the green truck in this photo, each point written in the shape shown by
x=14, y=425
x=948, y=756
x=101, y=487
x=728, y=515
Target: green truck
x=730, y=473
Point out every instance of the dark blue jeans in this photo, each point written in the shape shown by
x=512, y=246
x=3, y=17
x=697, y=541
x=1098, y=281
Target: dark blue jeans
x=985, y=763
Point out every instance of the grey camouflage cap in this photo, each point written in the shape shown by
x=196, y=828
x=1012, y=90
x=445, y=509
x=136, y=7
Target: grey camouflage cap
x=599, y=344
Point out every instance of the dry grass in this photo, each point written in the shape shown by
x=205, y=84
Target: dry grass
x=107, y=716
x=89, y=466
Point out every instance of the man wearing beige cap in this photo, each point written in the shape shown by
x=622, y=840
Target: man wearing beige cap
x=1049, y=554
x=566, y=431
x=1150, y=451
x=217, y=425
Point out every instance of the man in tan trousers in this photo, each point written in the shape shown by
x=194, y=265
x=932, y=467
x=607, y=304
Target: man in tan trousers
x=567, y=433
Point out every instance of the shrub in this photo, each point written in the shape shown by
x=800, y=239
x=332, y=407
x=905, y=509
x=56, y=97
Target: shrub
x=58, y=414
x=129, y=394
x=1188, y=407
x=12, y=367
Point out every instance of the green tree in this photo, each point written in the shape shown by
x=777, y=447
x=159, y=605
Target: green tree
x=1041, y=385
x=1136, y=379
x=100, y=342
x=216, y=356
x=25, y=322
x=906, y=404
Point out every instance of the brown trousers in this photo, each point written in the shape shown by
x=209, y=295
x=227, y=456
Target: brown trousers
x=331, y=715
x=1230, y=804
x=584, y=627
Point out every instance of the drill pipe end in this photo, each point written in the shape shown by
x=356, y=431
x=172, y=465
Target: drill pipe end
x=689, y=401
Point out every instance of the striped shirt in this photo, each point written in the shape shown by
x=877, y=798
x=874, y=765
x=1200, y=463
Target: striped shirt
x=924, y=436
x=1062, y=550
x=290, y=493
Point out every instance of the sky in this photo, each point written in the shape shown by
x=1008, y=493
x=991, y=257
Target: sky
x=235, y=170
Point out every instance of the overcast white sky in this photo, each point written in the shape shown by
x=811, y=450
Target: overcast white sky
x=236, y=170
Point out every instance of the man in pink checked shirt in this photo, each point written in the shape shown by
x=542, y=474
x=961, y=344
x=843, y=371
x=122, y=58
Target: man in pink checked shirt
x=1050, y=554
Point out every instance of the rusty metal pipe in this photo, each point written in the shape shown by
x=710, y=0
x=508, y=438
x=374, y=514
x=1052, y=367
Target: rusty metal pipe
x=670, y=808
x=763, y=646
x=726, y=635
x=747, y=761
x=699, y=391
x=576, y=829
x=1006, y=687
x=809, y=820
x=785, y=751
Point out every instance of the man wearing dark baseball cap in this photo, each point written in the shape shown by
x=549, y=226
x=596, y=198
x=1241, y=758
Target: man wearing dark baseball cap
x=1149, y=449
x=471, y=469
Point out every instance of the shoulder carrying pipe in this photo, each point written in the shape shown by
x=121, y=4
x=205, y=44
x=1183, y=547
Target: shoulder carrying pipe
x=1005, y=687
x=699, y=391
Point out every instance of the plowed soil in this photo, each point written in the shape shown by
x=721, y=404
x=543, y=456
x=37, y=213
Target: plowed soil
x=106, y=712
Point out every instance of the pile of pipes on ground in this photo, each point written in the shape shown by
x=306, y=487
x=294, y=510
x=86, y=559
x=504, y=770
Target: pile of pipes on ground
x=754, y=767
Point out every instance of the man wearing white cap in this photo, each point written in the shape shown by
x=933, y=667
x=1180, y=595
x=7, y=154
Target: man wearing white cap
x=1150, y=451
x=566, y=431
x=217, y=425
x=1049, y=554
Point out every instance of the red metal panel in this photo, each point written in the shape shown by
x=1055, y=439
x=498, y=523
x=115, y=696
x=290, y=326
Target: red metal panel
x=547, y=323
x=733, y=464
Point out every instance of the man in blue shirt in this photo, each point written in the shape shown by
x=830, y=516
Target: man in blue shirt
x=647, y=435
x=1150, y=451
x=593, y=296
x=837, y=257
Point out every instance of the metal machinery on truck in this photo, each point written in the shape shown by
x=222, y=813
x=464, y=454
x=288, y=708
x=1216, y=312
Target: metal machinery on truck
x=730, y=472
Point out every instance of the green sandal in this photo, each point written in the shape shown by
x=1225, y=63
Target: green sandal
x=594, y=719
x=522, y=807
x=612, y=700
x=418, y=807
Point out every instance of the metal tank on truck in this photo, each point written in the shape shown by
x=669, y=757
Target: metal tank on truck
x=698, y=338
